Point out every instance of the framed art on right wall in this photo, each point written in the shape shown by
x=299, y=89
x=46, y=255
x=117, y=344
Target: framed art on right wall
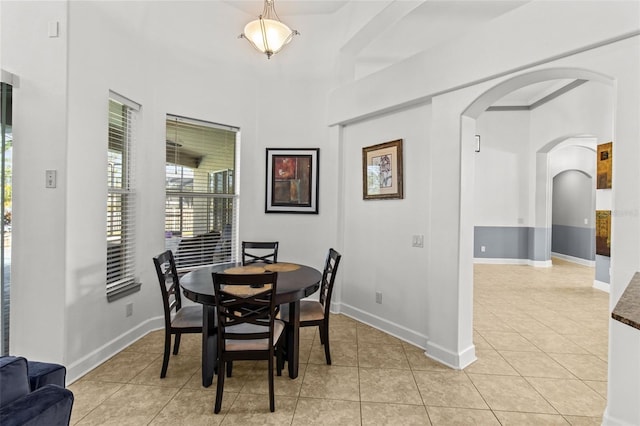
x=605, y=166
x=603, y=232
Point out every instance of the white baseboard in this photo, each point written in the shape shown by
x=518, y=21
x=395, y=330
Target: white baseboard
x=500, y=261
x=79, y=368
x=396, y=330
x=457, y=361
x=608, y=420
x=600, y=285
x=503, y=261
x=578, y=260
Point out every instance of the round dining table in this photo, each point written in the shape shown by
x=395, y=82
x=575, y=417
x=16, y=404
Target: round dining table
x=295, y=282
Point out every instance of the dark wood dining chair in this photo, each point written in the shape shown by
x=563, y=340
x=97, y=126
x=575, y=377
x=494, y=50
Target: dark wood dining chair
x=187, y=319
x=316, y=313
x=247, y=328
x=259, y=251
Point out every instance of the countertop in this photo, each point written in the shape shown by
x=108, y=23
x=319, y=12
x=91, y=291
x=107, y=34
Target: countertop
x=627, y=309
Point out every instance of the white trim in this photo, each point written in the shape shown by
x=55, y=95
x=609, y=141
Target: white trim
x=195, y=121
x=9, y=78
x=608, y=420
x=503, y=261
x=396, y=330
x=124, y=100
x=499, y=261
x=578, y=260
x=601, y=285
x=93, y=359
x=457, y=361
x=541, y=263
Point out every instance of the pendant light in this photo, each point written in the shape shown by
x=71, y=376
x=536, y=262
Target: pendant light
x=267, y=34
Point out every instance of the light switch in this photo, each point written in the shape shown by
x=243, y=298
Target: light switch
x=53, y=29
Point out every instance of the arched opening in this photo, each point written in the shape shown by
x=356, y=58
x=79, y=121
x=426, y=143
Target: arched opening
x=573, y=198
x=537, y=218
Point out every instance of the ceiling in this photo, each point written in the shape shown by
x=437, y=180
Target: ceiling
x=535, y=95
x=289, y=7
x=403, y=28
x=430, y=23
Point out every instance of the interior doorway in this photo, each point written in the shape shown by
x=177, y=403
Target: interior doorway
x=537, y=187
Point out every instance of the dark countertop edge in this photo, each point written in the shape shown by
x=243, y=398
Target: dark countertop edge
x=627, y=310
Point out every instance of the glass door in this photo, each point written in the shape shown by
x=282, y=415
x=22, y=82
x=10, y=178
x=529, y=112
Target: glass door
x=6, y=136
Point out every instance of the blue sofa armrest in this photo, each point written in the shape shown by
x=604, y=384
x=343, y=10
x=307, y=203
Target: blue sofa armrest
x=14, y=382
x=49, y=405
x=45, y=373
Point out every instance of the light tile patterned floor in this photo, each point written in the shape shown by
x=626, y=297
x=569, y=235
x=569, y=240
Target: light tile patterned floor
x=541, y=342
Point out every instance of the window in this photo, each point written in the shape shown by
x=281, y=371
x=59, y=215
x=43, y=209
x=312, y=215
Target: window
x=201, y=201
x=121, y=199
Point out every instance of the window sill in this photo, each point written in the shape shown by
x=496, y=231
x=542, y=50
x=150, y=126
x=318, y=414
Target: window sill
x=123, y=291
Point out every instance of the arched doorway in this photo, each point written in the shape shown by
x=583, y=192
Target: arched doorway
x=540, y=182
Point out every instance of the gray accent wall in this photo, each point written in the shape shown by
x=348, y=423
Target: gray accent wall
x=573, y=215
x=539, y=244
x=574, y=241
x=603, y=263
x=509, y=242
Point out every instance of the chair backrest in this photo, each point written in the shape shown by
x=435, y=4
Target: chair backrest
x=328, y=278
x=245, y=306
x=169, y=284
x=254, y=251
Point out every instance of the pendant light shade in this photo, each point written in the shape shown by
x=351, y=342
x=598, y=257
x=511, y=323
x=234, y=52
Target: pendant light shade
x=267, y=34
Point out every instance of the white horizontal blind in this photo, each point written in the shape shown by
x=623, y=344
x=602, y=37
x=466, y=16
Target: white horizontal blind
x=201, y=202
x=121, y=199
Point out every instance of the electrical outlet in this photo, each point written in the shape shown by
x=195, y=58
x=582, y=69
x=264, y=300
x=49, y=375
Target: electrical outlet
x=379, y=297
x=417, y=241
x=483, y=249
x=50, y=179
x=129, y=309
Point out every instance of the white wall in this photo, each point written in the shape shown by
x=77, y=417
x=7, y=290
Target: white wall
x=572, y=29
x=510, y=140
x=60, y=312
x=501, y=172
x=378, y=233
x=40, y=143
x=228, y=87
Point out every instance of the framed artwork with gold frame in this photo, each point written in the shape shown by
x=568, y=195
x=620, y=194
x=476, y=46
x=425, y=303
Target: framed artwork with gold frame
x=603, y=232
x=604, y=166
x=382, y=171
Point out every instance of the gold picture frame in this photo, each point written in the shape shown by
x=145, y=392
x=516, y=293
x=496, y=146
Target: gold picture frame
x=605, y=166
x=382, y=171
x=603, y=232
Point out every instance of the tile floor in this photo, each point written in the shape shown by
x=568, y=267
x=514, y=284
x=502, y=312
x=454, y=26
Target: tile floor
x=541, y=342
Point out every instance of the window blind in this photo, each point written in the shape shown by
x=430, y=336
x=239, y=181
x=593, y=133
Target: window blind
x=121, y=198
x=201, y=206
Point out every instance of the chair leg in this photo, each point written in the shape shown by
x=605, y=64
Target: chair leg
x=272, y=402
x=167, y=350
x=219, y=387
x=324, y=331
x=279, y=360
x=176, y=344
x=229, y=368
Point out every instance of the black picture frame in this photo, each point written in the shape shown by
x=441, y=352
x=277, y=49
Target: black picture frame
x=292, y=180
